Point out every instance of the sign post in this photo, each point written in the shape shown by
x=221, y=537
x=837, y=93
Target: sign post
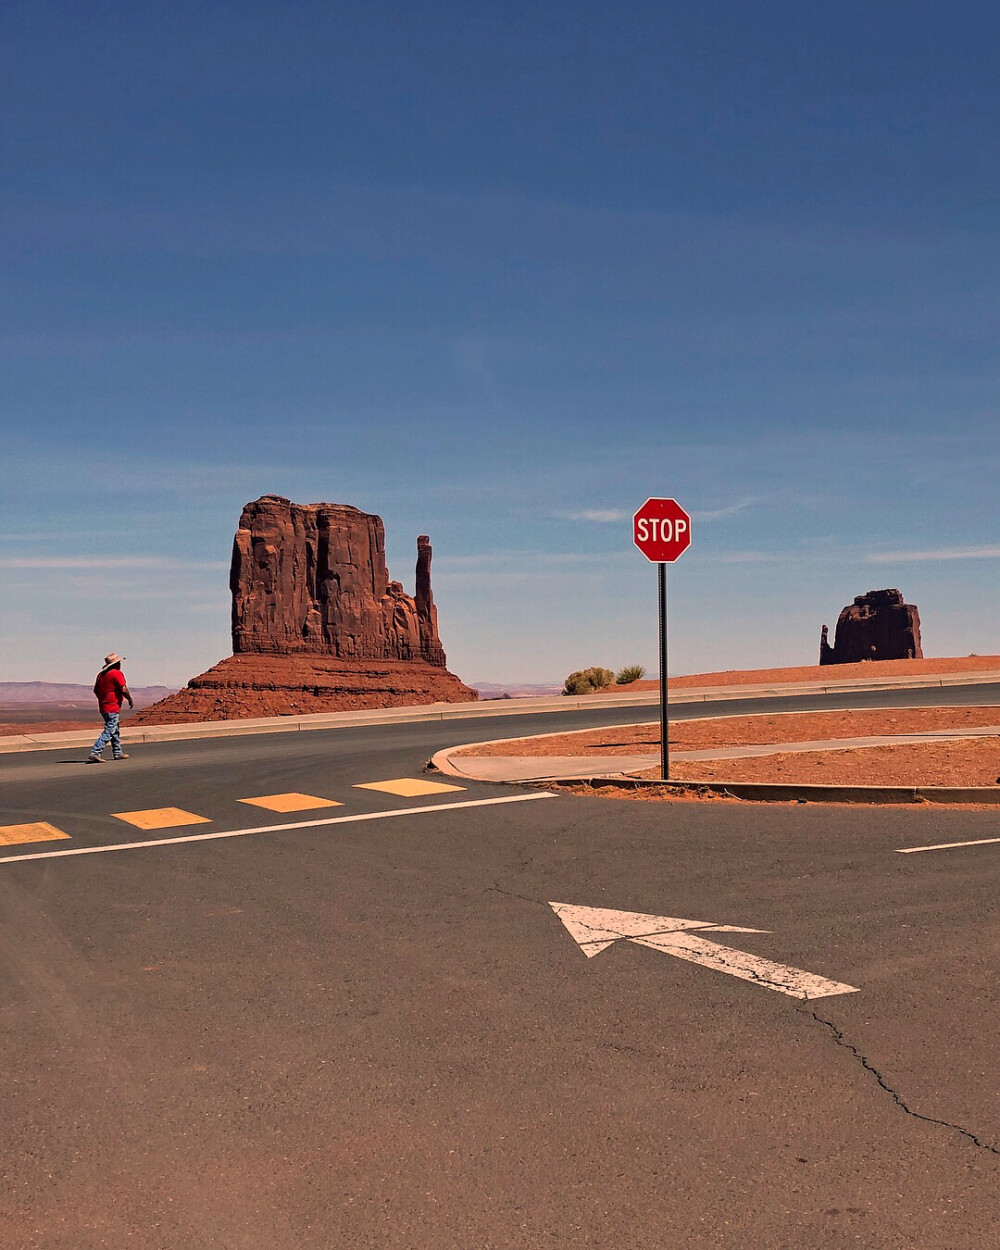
x=661, y=529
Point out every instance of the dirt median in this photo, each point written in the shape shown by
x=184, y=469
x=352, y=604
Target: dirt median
x=957, y=762
x=867, y=670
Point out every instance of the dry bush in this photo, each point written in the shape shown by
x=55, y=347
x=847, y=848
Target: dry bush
x=630, y=673
x=587, y=680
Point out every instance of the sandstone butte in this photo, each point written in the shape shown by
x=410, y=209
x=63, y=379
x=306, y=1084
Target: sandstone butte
x=876, y=626
x=317, y=624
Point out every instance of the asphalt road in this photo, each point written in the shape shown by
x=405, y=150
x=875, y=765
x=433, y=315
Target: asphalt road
x=378, y=1033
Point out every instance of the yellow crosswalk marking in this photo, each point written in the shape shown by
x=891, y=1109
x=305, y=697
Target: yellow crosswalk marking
x=161, y=818
x=408, y=787
x=39, y=831
x=290, y=802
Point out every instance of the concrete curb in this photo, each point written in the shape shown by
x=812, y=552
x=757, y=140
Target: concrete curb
x=765, y=793
x=713, y=693
x=442, y=762
x=488, y=707
x=318, y=720
x=751, y=791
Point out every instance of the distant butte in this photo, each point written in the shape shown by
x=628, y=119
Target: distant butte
x=317, y=625
x=876, y=626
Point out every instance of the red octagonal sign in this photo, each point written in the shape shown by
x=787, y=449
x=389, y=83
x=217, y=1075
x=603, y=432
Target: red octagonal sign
x=661, y=529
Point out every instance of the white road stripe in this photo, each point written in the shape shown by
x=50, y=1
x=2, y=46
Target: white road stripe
x=301, y=824
x=596, y=928
x=795, y=982
x=944, y=846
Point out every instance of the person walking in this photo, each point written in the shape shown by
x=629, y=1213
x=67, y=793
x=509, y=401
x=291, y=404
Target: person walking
x=110, y=688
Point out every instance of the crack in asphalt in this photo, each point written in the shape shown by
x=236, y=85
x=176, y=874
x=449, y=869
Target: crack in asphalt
x=497, y=888
x=838, y=1037
x=897, y=1098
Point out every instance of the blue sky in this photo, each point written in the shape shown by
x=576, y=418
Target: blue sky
x=498, y=273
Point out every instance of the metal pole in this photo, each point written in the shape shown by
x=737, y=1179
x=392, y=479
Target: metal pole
x=664, y=731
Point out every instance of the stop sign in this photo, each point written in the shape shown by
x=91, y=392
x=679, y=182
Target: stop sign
x=661, y=529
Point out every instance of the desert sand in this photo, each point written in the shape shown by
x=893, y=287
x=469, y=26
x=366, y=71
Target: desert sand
x=962, y=762
x=869, y=670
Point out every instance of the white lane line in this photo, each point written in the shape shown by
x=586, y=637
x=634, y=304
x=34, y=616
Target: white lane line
x=595, y=928
x=301, y=824
x=795, y=982
x=944, y=846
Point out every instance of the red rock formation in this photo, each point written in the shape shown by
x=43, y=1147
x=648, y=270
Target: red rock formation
x=317, y=624
x=427, y=617
x=311, y=579
x=295, y=685
x=876, y=626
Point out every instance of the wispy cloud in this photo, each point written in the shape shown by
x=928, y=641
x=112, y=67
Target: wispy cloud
x=56, y=536
x=943, y=553
x=747, y=557
x=602, y=515
x=609, y=515
x=107, y=562
x=719, y=514
x=491, y=561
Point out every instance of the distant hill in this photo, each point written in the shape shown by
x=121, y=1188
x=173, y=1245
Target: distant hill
x=513, y=690
x=47, y=693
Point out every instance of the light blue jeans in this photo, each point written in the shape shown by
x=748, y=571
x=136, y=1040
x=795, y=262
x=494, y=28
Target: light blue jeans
x=110, y=734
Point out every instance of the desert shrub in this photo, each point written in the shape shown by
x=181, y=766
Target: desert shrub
x=588, y=679
x=631, y=672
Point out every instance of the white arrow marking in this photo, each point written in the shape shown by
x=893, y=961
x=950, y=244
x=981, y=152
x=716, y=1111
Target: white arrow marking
x=594, y=928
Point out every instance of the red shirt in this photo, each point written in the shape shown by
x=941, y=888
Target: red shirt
x=109, y=687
